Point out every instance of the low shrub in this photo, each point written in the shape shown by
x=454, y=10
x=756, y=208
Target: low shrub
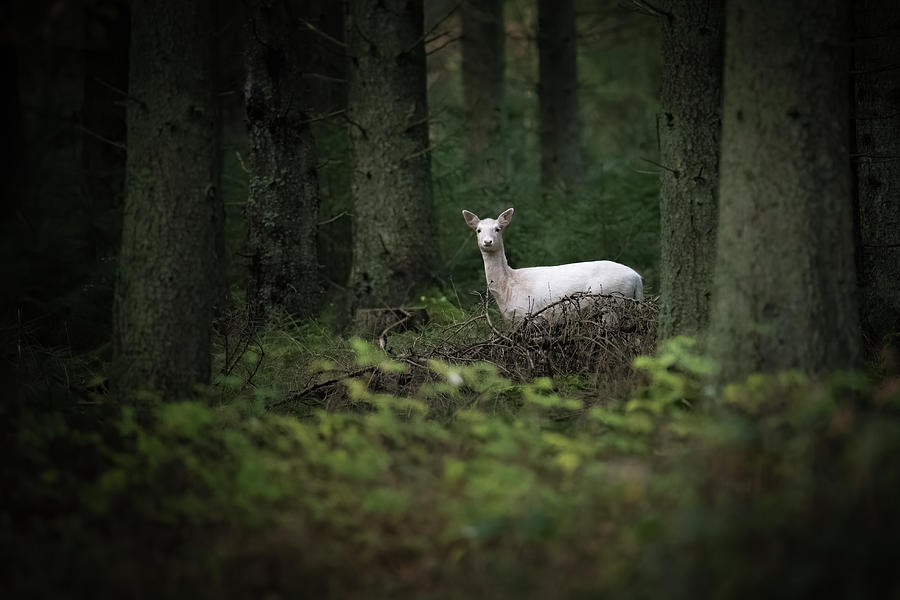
x=781, y=486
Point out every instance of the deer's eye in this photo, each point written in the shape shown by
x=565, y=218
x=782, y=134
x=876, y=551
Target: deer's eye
x=478, y=230
x=497, y=229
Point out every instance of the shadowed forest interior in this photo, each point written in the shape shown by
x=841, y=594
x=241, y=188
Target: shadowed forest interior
x=255, y=344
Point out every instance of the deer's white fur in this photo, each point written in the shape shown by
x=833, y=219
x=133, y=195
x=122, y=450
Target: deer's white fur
x=522, y=291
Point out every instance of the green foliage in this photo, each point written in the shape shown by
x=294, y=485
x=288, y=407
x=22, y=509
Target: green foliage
x=782, y=484
x=462, y=483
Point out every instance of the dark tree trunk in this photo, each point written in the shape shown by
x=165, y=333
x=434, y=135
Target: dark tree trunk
x=562, y=163
x=283, y=208
x=230, y=20
x=690, y=131
x=12, y=156
x=877, y=159
x=324, y=57
x=393, y=224
x=325, y=95
x=785, y=278
x=168, y=264
x=482, y=74
x=106, y=28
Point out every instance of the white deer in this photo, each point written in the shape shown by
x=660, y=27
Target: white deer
x=522, y=291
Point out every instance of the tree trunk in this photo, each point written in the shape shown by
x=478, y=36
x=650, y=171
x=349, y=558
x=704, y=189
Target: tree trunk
x=12, y=156
x=324, y=57
x=106, y=29
x=482, y=74
x=230, y=17
x=325, y=94
x=393, y=224
x=877, y=160
x=283, y=208
x=562, y=163
x=690, y=131
x=785, y=281
x=168, y=263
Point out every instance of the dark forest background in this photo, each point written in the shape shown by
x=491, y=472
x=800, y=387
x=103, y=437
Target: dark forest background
x=247, y=347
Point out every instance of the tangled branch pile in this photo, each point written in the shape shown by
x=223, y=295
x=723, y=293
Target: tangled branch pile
x=590, y=335
x=582, y=334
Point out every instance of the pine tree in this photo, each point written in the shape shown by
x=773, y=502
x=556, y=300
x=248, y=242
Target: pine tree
x=562, y=163
x=482, y=74
x=877, y=161
x=394, y=251
x=168, y=263
x=283, y=207
x=784, y=293
x=690, y=133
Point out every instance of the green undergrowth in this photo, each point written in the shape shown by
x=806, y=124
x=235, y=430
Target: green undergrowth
x=780, y=486
x=297, y=368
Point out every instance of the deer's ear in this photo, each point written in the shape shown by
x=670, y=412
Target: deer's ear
x=471, y=219
x=505, y=217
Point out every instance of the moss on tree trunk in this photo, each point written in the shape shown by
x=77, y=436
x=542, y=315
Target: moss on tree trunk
x=283, y=207
x=784, y=295
x=690, y=133
x=168, y=262
x=394, y=247
x=877, y=160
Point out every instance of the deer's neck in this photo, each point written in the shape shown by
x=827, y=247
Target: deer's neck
x=497, y=273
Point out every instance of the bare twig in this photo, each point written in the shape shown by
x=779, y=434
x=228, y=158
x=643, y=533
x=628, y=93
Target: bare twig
x=296, y=395
x=442, y=46
x=382, y=339
x=122, y=93
x=105, y=140
x=343, y=213
x=661, y=166
x=646, y=8
x=321, y=33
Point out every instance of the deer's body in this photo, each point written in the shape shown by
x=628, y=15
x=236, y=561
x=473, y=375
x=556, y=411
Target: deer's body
x=522, y=291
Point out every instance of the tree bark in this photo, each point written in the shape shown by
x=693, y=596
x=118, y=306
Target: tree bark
x=690, y=132
x=562, y=163
x=283, y=208
x=12, y=155
x=877, y=162
x=394, y=252
x=482, y=74
x=168, y=263
x=785, y=282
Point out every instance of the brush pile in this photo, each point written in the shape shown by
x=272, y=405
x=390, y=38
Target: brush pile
x=583, y=334
x=595, y=337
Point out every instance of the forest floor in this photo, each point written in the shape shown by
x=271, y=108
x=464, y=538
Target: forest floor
x=468, y=458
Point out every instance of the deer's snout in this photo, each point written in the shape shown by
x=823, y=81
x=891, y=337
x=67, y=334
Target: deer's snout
x=488, y=242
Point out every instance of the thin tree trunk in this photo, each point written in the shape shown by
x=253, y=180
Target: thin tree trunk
x=324, y=57
x=562, y=163
x=877, y=161
x=393, y=225
x=785, y=283
x=690, y=132
x=12, y=157
x=230, y=18
x=283, y=208
x=167, y=267
x=482, y=73
x=325, y=94
x=107, y=25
